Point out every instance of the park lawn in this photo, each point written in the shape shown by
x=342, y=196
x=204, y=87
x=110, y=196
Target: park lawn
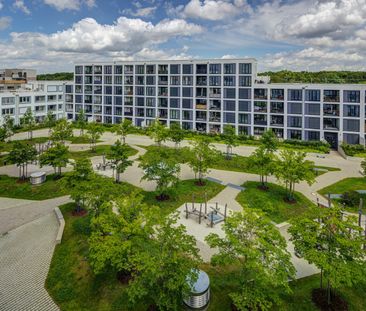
x=8, y=146
x=100, y=150
x=271, y=202
x=10, y=188
x=184, y=192
x=80, y=140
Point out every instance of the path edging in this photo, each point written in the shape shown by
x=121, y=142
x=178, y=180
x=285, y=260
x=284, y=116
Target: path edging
x=61, y=222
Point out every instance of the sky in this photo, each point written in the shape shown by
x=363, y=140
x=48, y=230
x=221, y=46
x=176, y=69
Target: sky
x=51, y=35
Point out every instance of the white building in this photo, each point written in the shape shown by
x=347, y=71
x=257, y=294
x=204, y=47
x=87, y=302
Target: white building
x=40, y=96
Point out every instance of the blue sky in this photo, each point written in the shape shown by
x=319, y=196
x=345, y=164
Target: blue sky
x=50, y=35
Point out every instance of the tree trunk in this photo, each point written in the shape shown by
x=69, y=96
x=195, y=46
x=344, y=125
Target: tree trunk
x=328, y=293
x=123, y=139
x=321, y=278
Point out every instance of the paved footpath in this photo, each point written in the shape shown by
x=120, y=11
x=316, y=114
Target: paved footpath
x=25, y=256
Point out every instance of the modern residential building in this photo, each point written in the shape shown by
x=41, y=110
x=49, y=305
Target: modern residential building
x=204, y=95
x=12, y=79
x=40, y=96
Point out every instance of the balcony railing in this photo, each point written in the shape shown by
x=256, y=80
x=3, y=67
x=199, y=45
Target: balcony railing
x=213, y=95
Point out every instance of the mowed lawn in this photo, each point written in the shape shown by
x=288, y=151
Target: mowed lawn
x=272, y=202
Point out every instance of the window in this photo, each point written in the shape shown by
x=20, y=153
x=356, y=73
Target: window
x=245, y=81
x=140, y=90
x=150, y=102
x=140, y=101
x=98, y=80
x=245, y=69
x=174, y=114
x=174, y=69
x=140, y=80
x=69, y=89
x=229, y=117
x=244, y=106
x=351, y=111
x=79, y=79
x=79, y=70
x=174, y=91
x=294, y=121
x=312, y=95
x=277, y=94
x=312, y=109
x=118, y=100
x=108, y=100
x=88, y=80
x=150, y=91
x=229, y=69
x=129, y=69
x=351, y=96
x=260, y=93
x=244, y=93
x=351, y=125
x=201, y=69
x=229, y=105
x=331, y=96
x=129, y=80
x=174, y=103
x=108, y=90
x=277, y=107
x=187, y=92
x=294, y=94
x=260, y=106
x=108, y=70
x=150, y=69
x=294, y=108
x=98, y=69
x=88, y=70
x=24, y=99
x=150, y=80
x=108, y=79
x=215, y=81
x=229, y=93
x=118, y=70
x=312, y=123
x=187, y=69
x=140, y=69
x=215, y=68
x=175, y=80
x=187, y=80
x=229, y=81
x=187, y=103
x=162, y=69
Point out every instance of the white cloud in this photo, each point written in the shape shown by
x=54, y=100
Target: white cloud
x=5, y=22
x=1, y=5
x=140, y=11
x=214, y=9
x=20, y=5
x=74, y=5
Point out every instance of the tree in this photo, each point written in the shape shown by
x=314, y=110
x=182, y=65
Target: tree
x=158, y=166
x=264, y=163
x=176, y=134
x=334, y=243
x=230, y=139
x=94, y=131
x=29, y=122
x=163, y=266
x=21, y=154
x=119, y=156
x=123, y=129
x=292, y=168
x=78, y=182
x=49, y=121
x=56, y=156
x=81, y=122
x=7, y=128
x=202, y=157
x=61, y=131
x=255, y=246
x=269, y=141
x=158, y=132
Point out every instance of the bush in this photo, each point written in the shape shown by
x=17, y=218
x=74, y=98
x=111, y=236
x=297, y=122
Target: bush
x=351, y=198
x=351, y=150
x=314, y=144
x=82, y=225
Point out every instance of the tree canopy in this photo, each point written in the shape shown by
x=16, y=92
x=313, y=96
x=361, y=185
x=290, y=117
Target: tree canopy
x=61, y=131
x=21, y=154
x=57, y=76
x=119, y=156
x=57, y=156
x=158, y=132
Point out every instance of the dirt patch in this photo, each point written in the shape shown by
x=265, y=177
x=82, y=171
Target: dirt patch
x=124, y=277
x=319, y=297
x=79, y=213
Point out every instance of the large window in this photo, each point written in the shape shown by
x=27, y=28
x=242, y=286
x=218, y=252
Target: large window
x=294, y=94
x=351, y=96
x=215, y=68
x=215, y=81
x=229, y=68
x=312, y=95
x=245, y=69
x=331, y=96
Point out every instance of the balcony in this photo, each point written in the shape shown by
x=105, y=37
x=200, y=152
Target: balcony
x=331, y=124
x=331, y=98
x=201, y=106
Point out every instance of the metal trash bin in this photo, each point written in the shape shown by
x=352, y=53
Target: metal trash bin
x=37, y=178
x=200, y=292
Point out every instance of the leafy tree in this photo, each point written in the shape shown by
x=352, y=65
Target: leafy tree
x=123, y=129
x=7, y=128
x=58, y=76
x=334, y=243
x=56, y=156
x=158, y=132
x=29, y=122
x=81, y=121
x=269, y=141
x=119, y=156
x=292, y=168
x=49, y=121
x=264, y=163
x=21, y=154
x=255, y=246
x=202, y=157
x=79, y=182
x=230, y=139
x=61, y=131
x=94, y=131
x=158, y=166
x=164, y=265
x=176, y=134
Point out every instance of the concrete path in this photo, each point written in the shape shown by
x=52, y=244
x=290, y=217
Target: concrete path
x=25, y=256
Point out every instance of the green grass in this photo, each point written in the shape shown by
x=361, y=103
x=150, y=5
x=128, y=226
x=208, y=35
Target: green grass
x=7, y=146
x=80, y=140
x=11, y=188
x=271, y=202
x=183, y=192
x=100, y=150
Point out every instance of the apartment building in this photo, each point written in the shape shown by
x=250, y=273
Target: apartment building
x=204, y=95
x=12, y=79
x=40, y=96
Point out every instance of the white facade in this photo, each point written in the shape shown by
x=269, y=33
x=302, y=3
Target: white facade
x=40, y=96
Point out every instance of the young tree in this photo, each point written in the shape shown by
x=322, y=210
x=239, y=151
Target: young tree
x=29, y=122
x=176, y=134
x=49, y=121
x=158, y=132
x=7, y=128
x=230, y=139
x=81, y=122
x=21, y=154
x=158, y=166
x=269, y=141
x=334, y=243
x=56, y=156
x=79, y=182
x=264, y=162
x=202, y=157
x=61, y=131
x=255, y=246
x=94, y=131
x=119, y=156
x=164, y=265
x=292, y=168
x=123, y=129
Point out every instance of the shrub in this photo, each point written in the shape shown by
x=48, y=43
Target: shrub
x=351, y=150
x=351, y=198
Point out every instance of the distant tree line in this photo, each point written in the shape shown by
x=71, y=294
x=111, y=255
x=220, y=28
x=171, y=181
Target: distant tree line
x=287, y=76
x=58, y=76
